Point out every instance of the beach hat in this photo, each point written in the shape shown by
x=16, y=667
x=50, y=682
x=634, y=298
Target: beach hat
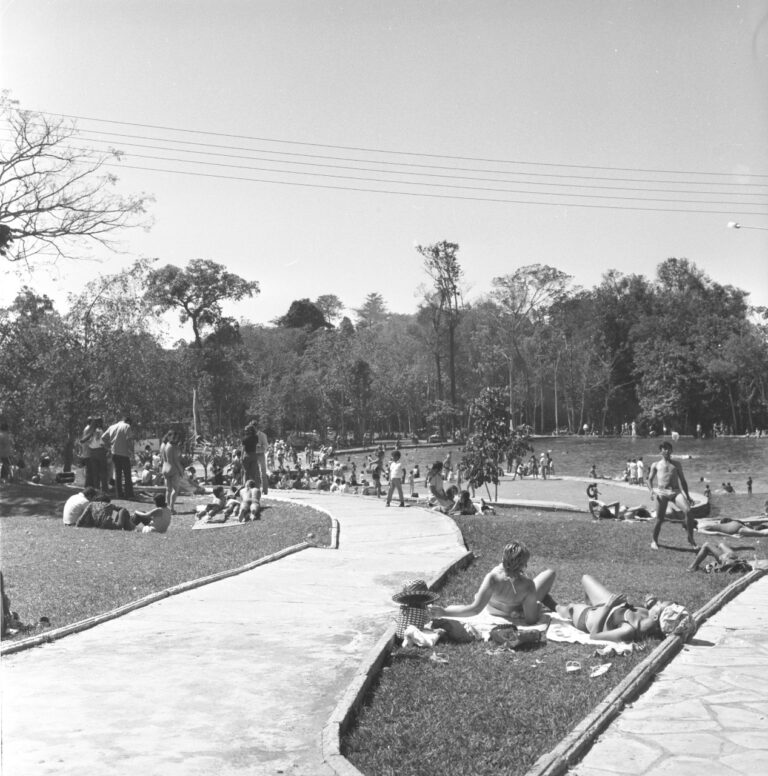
x=415, y=593
x=677, y=620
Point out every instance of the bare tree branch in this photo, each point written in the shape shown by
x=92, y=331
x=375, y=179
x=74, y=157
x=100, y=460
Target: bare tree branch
x=54, y=195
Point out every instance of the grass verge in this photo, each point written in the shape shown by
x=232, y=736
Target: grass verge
x=67, y=574
x=487, y=711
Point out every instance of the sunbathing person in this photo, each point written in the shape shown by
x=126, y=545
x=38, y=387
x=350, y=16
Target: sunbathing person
x=616, y=510
x=729, y=525
x=506, y=591
x=725, y=557
x=213, y=512
x=610, y=617
x=102, y=513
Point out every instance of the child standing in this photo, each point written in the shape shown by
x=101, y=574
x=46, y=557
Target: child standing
x=376, y=469
x=396, y=477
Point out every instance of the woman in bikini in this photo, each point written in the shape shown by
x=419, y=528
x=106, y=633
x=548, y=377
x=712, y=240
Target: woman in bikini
x=506, y=591
x=610, y=617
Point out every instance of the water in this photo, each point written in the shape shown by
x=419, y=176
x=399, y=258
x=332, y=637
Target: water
x=712, y=461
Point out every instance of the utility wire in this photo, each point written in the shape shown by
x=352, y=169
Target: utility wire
x=444, y=185
x=381, y=150
x=429, y=195
x=427, y=174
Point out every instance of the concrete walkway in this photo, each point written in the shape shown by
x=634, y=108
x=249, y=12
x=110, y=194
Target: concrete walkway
x=236, y=677
x=706, y=712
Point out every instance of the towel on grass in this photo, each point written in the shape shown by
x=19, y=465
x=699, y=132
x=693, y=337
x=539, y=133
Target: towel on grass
x=201, y=525
x=479, y=626
x=564, y=631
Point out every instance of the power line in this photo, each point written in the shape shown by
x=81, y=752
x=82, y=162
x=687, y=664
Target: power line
x=411, y=164
x=443, y=185
x=384, y=151
x=430, y=175
x=430, y=195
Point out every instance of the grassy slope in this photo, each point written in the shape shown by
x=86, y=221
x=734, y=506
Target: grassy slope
x=66, y=574
x=489, y=712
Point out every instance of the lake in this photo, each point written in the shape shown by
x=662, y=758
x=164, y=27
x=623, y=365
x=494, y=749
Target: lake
x=725, y=459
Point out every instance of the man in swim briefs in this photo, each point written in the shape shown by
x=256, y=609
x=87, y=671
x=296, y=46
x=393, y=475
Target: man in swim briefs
x=667, y=484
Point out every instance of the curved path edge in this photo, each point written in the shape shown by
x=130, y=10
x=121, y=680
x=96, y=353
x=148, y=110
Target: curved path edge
x=576, y=743
x=182, y=587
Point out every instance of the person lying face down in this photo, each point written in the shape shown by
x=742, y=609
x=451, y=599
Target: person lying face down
x=506, y=591
x=610, y=617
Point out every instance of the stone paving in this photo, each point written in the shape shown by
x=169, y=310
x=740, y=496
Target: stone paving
x=706, y=712
x=232, y=678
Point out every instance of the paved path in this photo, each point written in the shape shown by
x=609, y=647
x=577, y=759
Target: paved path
x=236, y=677
x=707, y=711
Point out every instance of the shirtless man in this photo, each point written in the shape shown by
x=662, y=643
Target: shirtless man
x=667, y=484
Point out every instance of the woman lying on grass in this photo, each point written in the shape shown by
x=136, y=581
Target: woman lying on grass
x=610, y=617
x=506, y=591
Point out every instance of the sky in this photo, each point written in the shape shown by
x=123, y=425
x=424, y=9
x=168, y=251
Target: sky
x=526, y=132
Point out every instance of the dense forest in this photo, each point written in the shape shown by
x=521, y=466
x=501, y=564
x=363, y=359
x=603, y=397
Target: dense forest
x=677, y=351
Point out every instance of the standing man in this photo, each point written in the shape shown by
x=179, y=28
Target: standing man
x=120, y=440
x=260, y=452
x=667, y=484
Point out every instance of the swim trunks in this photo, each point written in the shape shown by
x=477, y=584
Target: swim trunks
x=668, y=493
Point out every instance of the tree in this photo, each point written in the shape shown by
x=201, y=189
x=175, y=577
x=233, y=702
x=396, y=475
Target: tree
x=197, y=292
x=445, y=301
x=524, y=299
x=330, y=305
x=303, y=314
x=373, y=311
x=490, y=440
x=53, y=193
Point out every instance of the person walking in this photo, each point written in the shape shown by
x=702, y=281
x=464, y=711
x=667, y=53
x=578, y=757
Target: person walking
x=120, y=440
x=172, y=468
x=667, y=485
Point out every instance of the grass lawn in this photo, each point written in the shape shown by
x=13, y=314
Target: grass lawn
x=487, y=711
x=66, y=574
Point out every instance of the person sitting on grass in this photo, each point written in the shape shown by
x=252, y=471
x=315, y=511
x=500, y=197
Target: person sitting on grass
x=725, y=559
x=147, y=475
x=206, y=512
x=610, y=617
x=463, y=505
x=157, y=520
x=440, y=499
x=506, y=591
x=102, y=513
x=250, y=504
x=77, y=504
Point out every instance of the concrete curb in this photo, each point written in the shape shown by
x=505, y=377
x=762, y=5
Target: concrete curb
x=348, y=707
x=576, y=744
x=90, y=622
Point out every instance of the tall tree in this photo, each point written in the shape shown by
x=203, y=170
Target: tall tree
x=445, y=300
x=197, y=292
x=54, y=195
x=372, y=312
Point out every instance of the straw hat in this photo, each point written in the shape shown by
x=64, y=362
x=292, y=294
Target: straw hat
x=414, y=593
